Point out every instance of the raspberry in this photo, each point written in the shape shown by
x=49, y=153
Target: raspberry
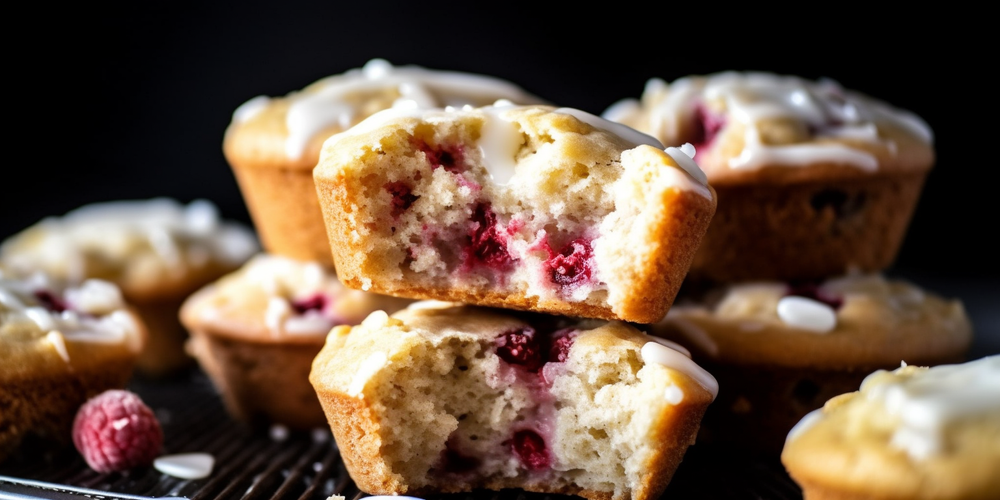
x=115, y=431
x=520, y=347
x=562, y=341
x=530, y=450
x=813, y=291
x=708, y=126
x=50, y=301
x=487, y=245
x=450, y=158
x=402, y=197
x=315, y=302
x=572, y=264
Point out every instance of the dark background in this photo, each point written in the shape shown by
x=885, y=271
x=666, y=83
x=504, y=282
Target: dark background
x=126, y=104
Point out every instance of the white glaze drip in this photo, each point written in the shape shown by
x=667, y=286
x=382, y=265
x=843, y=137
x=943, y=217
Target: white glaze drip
x=829, y=110
x=95, y=312
x=158, y=236
x=931, y=400
x=655, y=352
x=333, y=100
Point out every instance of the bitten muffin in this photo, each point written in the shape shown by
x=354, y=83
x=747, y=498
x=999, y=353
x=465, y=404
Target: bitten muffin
x=256, y=331
x=441, y=397
x=781, y=350
x=813, y=180
x=524, y=207
x=157, y=251
x=914, y=433
x=272, y=144
x=59, y=346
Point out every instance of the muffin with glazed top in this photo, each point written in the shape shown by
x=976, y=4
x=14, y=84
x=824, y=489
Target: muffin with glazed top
x=441, y=397
x=780, y=350
x=59, y=346
x=524, y=207
x=256, y=331
x=910, y=433
x=272, y=144
x=156, y=251
x=814, y=180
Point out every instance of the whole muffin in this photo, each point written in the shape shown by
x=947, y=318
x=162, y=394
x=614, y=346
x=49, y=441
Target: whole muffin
x=256, y=331
x=157, y=251
x=442, y=398
x=914, y=433
x=781, y=350
x=813, y=180
x=524, y=207
x=273, y=144
x=59, y=346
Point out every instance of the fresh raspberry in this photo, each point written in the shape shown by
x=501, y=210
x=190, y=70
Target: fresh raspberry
x=116, y=431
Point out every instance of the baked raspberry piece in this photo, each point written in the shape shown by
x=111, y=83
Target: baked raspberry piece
x=522, y=207
x=444, y=398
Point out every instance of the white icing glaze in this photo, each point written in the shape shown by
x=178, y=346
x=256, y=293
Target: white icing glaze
x=748, y=98
x=628, y=133
x=333, y=101
x=810, y=419
x=674, y=395
x=807, y=314
x=94, y=313
x=684, y=156
x=250, y=108
x=186, y=465
x=671, y=344
x=655, y=352
x=498, y=145
x=929, y=401
x=172, y=234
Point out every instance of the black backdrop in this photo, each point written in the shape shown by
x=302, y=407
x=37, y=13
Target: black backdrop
x=124, y=104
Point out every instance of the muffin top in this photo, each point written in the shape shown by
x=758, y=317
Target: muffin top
x=854, y=320
x=921, y=433
x=767, y=127
x=530, y=153
x=45, y=325
x=151, y=249
x=277, y=299
x=287, y=132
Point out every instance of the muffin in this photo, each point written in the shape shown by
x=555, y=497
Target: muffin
x=813, y=180
x=442, y=398
x=256, y=331
x=912, y=433
x=157, y=252
x=523, y=207
x=59, y=345
x=781, y=350
x=272, y=144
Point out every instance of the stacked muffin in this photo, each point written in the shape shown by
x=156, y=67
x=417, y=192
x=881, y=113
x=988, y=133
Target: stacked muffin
x=786, y=302
x=457, y=187
x=257, y=330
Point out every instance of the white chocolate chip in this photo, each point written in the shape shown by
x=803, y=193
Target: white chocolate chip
x=807, y=314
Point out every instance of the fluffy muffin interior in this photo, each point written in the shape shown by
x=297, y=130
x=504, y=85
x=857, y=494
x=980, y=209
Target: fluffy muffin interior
x=515, y=200
x=548, y=408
